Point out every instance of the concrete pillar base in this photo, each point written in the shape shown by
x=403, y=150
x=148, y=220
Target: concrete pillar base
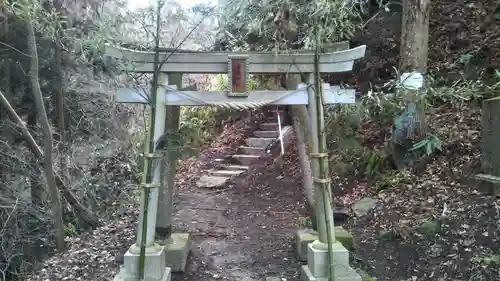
x=177, y=251
x=155, y=268
x=318, y=265
x=351, y=275
x=305, y=236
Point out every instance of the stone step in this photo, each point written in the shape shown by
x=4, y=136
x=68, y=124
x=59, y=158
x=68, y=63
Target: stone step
x=274, y=118
x=207, y=181
x=236, y=167
x=259, y=142
x=266, y=134
x=246, y=159
x=224, y=173
x=250, y=150
x=273, y=112
x=269, y=126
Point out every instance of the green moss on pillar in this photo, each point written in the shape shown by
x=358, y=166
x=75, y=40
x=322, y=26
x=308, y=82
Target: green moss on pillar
x=314, y=223
x=345, y=238
x=163, y=233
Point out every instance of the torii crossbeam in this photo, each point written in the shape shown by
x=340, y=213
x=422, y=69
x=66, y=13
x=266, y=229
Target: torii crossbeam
x=172, y=96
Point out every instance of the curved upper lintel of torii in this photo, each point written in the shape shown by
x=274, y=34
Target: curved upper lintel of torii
x=258, y=62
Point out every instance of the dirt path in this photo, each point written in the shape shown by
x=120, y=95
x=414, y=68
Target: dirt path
x=245, y=233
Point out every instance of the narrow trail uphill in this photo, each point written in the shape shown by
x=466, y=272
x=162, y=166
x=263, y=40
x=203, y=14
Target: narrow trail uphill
x=243, y=209
x=239, y=205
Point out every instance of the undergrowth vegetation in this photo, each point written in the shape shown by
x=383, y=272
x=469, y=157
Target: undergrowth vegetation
x=98, y=174
x=357, y=151
x=93, y=149
x=200, y=124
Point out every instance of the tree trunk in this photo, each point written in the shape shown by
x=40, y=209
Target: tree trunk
x=60, y=98
x=86, y=216
x=415, y=36
x=8, y=133
x=413, y=58
x=37, y=189
x=47, y=160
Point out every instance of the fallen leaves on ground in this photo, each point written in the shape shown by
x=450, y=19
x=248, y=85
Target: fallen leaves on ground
x=432, y=225
x=96, y=255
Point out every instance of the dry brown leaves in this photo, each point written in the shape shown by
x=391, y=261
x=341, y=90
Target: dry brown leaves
x=468, y=218
x=418, y=197
x=94, y=256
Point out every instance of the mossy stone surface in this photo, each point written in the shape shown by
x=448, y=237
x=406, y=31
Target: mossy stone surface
x=304, y=236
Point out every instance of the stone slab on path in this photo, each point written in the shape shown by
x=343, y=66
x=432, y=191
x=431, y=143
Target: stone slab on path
x=207, y=181
x=363, y=206
x=251, y=150
x=259, y=142
x=269, y=126
x=225, y=173
x=246, y=159
x=236, y=167
x=266, y=134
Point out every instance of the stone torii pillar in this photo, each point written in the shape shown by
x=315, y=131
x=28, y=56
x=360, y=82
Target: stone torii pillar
x=155, y=265
x=177, y=244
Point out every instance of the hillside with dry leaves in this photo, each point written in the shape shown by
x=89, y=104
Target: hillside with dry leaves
x=463, y=35
x=430, y=224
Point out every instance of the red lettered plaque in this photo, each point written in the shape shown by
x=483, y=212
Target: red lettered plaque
x=238, y=75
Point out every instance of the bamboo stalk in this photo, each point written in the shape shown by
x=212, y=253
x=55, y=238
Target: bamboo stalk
x=323, y=165
x=315, y=168
x=148, y=167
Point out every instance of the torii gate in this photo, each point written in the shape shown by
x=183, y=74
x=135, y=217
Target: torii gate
x=238, y=66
